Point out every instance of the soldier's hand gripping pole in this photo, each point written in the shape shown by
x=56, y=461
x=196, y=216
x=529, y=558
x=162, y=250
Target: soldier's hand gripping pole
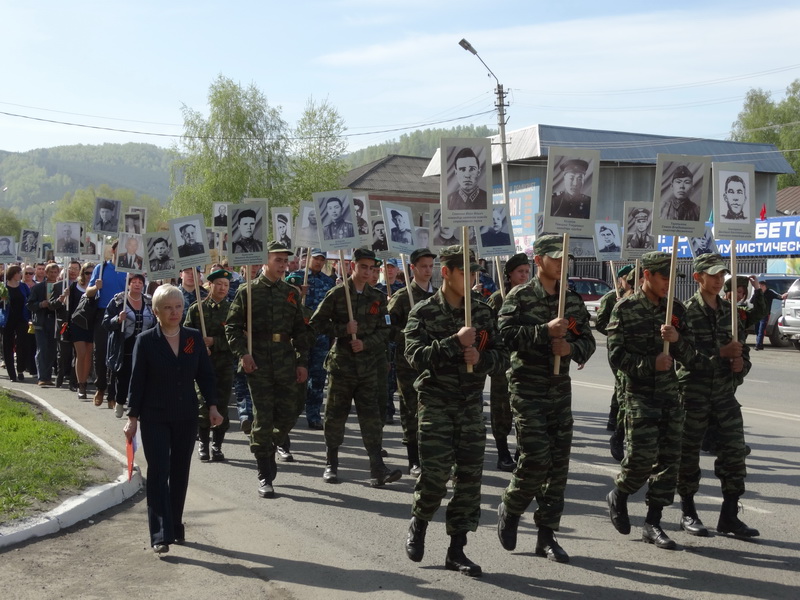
x=671, y=289
x=346, y=291
x=562, y=293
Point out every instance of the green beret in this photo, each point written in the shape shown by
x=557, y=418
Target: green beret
x=516, y=261
x=710, y=263
x=219, y=273
x=549, y=245
x=295, y=280
x=623, y=271
x=453, y=257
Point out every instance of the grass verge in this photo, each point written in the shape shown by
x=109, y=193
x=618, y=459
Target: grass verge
x=40, y=459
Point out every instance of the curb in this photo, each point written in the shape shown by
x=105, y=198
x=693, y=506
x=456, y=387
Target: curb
x=78, y=508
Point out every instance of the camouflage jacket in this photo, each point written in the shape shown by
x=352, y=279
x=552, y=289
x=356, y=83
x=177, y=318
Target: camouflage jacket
x=634, y=341
x=278, y=329
x=750, y=316
x=369, y=309
x=215, y=316
x=399, y=308
x=433, y=349
x=708, y=374
x=607, y=303
x=523, y=323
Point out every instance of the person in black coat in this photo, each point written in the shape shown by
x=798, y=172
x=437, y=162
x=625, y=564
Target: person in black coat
x=167, y=361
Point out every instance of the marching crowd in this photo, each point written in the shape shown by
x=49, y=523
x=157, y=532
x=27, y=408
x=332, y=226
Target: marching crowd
x=169, y=357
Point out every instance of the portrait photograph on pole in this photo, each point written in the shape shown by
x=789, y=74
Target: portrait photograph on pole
x=638, y=234
x=106, y=216
x=8, y=248
x=704, y=244
x=219, y=212
x=570, y=197
x=142, y=211
x=305, y=227
x=497, y=239
x=282, y=225
x=160, y=255
x=90, y=245
x=28, y=243
x=734, y=201
x=130, y=253
x=361, y=205
x=608, y=240
x=336, y=219
x=189, y=234
x=466, y=181
x=247, y=229
x=401, y=233
x=132, y=223
x=378, y=236
x=680, y=197
x=444, y=236
x=68, y=239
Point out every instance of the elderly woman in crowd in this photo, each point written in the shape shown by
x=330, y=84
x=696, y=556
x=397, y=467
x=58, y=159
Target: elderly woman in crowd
x=167, y=361
x=15, y=331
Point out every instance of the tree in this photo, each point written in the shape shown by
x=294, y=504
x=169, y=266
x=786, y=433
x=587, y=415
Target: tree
x=239, y=151
x=10, y=224
x=79, y=206
x=765, y=121
x=316, y=163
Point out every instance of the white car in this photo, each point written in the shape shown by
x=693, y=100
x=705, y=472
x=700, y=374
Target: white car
x=789, y=321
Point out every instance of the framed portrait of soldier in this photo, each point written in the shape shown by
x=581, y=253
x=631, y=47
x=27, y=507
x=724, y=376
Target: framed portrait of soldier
x=361, y=206
x=704, y=244
x=90, y=246
x=132, y=223
x=219, y=211
x=680, y=198
x=306, y=234
x=28, y=243
x=247, y=232
x=571, y=191
x=282, y=225
x=68, y=239
x=638, y=235
x=379, y=241
x=734, y=200
x=422, y=235
x=444, y=236
x=160, y=255
x=608, y=240
x=8, y=249
x=107, y=213
x=130, y=253
x=466, y=181
x=497, y=239
x=142, y=211
x=401, y=233
x=336, y=219
x=48, y=254
x=189, y=234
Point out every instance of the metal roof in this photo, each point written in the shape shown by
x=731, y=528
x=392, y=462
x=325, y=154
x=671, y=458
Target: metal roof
x=394, y=172
x=787, y=200
x=616, y=146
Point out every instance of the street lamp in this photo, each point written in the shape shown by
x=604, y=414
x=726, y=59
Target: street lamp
x=501, y=123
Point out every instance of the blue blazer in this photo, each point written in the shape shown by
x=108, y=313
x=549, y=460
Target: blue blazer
x=162, y=384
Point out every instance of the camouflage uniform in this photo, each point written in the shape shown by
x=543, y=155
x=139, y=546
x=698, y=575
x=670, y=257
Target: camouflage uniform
x=387, y=409
x=499, y=396
x=541, y=401
x=452, y=433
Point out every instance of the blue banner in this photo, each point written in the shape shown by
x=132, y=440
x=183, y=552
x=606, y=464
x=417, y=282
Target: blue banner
x=523, y=197
x=777, y=236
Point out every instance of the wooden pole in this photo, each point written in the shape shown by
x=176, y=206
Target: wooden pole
x=407, y=274
x=386, y=279
x=467, y=286
x=637, y=275
x=500, y=279
x=345, y=277
x=249, y=281
x=734, y=295
x=200, y=308
x=562, y=294
x=671, y=290
x=305, y=275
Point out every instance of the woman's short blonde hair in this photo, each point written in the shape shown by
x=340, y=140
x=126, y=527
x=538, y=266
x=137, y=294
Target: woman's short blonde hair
x=164, y=293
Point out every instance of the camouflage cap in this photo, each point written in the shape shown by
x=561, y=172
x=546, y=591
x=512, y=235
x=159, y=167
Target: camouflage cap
x=741, y=282
x=549, y=245
x=214, y=275
x=453, y=256
x=274, y=246
x=420, y=253
x=657, y=262
x=361, y=253
x=516, y=261
x=622, y=272
x=710, y=263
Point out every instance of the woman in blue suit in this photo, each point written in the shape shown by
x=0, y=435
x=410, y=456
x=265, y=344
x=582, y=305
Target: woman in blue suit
x=167, y=361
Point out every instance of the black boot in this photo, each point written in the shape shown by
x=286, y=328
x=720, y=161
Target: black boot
x=415, y=543
x=265, y=476
x=217, y=436
x=379, y=473
x=284, y=450
x=456, y=560
x=413, y=459
x=331, y=466
x=202, y=447
x=507, y=525
x=618, y=511
x=546, y=545
x=504, y=460
x=617, y=445
x=690, y=522
x=652, y=532
x=729, y=521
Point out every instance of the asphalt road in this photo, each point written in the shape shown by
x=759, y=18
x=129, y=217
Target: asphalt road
x=316, y=540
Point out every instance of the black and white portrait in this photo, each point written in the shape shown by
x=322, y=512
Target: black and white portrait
x=379, y=242
x=130, y=253
x=305, y=231
x=68, y=239
x=361, y=207
x=336, y=214
x=211, y=238
x=133, y=223
x=639, y=224
x=423, y=237
x=90, y=245
x=282, y=225
x=735, y=205
x=444, y=235
x=607, y=238
x=679, y=194
x=704, y=244
x=734, y=201
x=142, y=212
x=401, y=233
x=498, y=234
x=8, y=248
x=572, y=178
x=466, y=181
x=247, y=229
x=29, y=242
x=159, y=254
x=191, y=245
x=220, y=212
x=106, y=216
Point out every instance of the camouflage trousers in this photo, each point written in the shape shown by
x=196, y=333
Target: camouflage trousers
x=382, y=385
x=500, y=406
x=409, y=400
x=725, y=414
x=452, y=440
x=223, y=384
x=316, y=378
x=653, y=450
x=344, y=389
x=544, y=440
x=274, y=409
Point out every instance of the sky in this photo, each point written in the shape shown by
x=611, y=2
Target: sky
x=678, y=69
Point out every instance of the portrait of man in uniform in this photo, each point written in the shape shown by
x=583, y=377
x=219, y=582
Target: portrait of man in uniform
x=570, y=201
x=676, y=200
x=336, y=226
x=379, y=243
x=639, y=230
x=607, y=237
x=89, y=246
x=67, y=243
x=106, y=217
x=363, y=226
x=401, y=230
x=734, y=196
x=246, y=231
x=190, y=246
x=221, y=214
x=131, y=258
x=30, y=242
x=6, y=246
x=282, y=229
x=497, y=234
x=133, y=223
x=160, y=255
x=468, y=176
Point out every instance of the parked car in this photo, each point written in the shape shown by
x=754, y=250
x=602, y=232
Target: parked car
x=781, y=284
x=591, y=290
x=789, y=321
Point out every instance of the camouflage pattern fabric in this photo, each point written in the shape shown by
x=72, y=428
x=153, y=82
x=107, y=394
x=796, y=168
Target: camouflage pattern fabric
x=499, y=396
x=541, y=401
x=452, y=433
x=607, y=304
x=653, y=411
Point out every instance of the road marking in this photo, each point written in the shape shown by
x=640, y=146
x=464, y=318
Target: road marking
x=771, y=413
x=748, y=380
x=599, y=386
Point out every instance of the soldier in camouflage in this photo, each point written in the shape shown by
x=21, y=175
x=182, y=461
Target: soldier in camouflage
x=215, y=312
x=352, y=364
x=653, y=411
x=517, y=271
x=399, y=307
x=273, y=370
x=542, y=401
x=452, y=433
x=708, y=384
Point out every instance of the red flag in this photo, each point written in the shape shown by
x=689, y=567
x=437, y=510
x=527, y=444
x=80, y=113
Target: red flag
x=763, y=213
